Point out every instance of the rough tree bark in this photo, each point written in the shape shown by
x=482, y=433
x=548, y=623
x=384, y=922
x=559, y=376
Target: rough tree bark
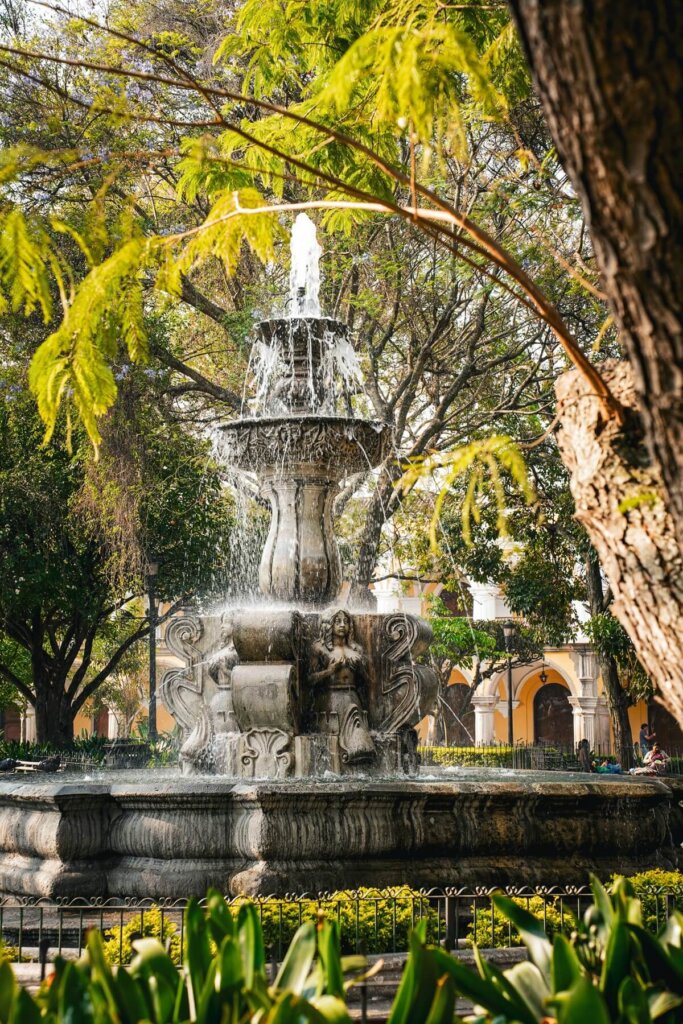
x=609, y=74
x=618, y=697
x=617, y=491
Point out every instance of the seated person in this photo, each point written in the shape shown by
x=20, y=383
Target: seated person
x=654, y=762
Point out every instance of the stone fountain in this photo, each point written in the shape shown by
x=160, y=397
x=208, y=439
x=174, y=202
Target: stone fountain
x=299, y=768
x=301, y=685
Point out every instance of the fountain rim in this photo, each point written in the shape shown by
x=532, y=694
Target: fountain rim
x=300, y=319
x=379, y=426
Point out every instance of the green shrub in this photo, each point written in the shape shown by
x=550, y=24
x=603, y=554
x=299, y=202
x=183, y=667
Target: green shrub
x=556, y=918
x=454, y=757
x=150, y=924
x=660, y=893
x=370, y=920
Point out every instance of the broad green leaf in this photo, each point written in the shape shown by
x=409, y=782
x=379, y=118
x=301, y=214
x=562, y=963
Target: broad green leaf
x=298, y=960
x=516, y=994
x=633, y=1003
x=229, y=969
x=328, y=951
x=221, y=921
x=198, y=957
x=471, y=986
x=530, y=988
x=25, y=1011
x=566, y=969
x=672, y=932
x=75, y=1002
x=331, y=1008
x=617, y=963
x=531, y=931
x=602, y=901
x=250, y=937
x=130, y=1000
x=8, y=990
x=582, y=1004
x=443, y=1006
x=661, y=967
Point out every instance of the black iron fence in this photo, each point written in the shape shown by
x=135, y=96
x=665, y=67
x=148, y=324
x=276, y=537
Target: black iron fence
x=540, y=757
x=371, y=921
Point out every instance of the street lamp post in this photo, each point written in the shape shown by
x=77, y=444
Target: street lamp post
x=508, y=633
x=152, y=572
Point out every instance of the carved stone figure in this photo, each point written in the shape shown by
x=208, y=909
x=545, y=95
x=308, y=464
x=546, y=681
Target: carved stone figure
x=339, y=666
x=212, y=744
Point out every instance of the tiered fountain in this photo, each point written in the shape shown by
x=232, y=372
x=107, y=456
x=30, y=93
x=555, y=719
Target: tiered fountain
x=299, y=768
x=300, y=685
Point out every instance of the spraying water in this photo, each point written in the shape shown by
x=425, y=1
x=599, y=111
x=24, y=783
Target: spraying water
x=304, y=276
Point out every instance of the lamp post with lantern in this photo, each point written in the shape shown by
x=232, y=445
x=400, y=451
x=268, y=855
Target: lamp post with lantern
x=509, y=630
x=152, y=573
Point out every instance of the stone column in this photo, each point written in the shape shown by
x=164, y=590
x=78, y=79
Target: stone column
x=603, y=731
x=584, y=719
x=484, y=708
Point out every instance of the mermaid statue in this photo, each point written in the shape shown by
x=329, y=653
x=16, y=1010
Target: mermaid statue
x=339, y=671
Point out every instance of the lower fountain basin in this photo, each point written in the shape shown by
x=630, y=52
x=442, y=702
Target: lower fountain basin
x=152, y=833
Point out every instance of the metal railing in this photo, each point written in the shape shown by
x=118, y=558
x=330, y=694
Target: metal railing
x=371, y=921
x=540, y=757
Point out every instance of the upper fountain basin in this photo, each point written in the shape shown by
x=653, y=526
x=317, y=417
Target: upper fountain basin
x=303, y=365
x=276, y=445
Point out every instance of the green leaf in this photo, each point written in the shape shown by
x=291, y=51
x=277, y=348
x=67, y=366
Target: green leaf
x=221, y=921
x=229, y=969
x=250, y=936
x=75, y=1003
x=331, y=1008
x=672, y=932
x=443, y=1006
x=8, y=991
x=662, y=1003
x=617, y=963
x=524, y=1009
x=130, y=1000
x=297, y=963
x=530, y=990
x=328, y=951
x=602, y=900
x=633, y=1003
x=566, y=969
x=25, y=1011
x=197, y=951
x=582, y=1004
x=471, y=986
x=531, y=931
x=660, y=965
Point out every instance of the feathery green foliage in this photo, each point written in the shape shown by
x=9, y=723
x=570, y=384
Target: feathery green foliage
x=482, y=460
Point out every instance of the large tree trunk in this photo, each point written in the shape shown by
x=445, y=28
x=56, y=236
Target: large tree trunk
x=609, y=74
x=54, y=714
x=618, y=698
x=54, y=717
x=617, y=493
